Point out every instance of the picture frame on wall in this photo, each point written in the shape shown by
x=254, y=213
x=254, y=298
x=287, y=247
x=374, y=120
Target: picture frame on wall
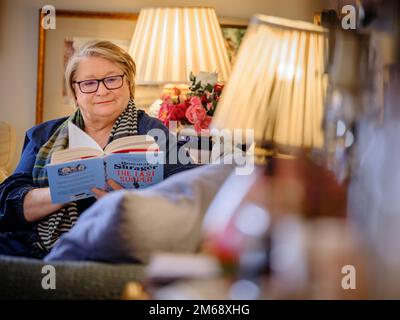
x=73, y=28
x=233, y=33
x=55, y=48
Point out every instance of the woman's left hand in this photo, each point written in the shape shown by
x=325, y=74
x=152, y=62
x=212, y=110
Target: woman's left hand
x=98, y=193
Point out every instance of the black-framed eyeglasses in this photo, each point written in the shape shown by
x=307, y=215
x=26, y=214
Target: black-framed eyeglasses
x=91, y=85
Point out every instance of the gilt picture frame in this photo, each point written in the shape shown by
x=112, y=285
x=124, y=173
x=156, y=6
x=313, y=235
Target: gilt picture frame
x=233, y=31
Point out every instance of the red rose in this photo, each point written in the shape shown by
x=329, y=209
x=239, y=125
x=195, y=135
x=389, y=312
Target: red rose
x=202, y=124
x=197, y=115
x=218, y=88
x=187, y=103
x=204, y=99
x=195, y=101
x=177, y=112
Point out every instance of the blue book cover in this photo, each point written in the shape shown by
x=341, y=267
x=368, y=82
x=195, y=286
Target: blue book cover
x=73, y=180
x=133, y=170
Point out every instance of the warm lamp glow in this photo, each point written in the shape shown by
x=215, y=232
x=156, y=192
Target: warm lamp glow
x=277, y=86
x=169, y=43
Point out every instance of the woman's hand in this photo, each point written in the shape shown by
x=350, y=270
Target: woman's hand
x=37, y=204
x=98, y=193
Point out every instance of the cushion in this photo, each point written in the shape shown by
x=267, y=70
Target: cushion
x=128, y=226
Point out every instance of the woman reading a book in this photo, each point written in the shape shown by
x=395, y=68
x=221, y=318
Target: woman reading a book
x=100, y=77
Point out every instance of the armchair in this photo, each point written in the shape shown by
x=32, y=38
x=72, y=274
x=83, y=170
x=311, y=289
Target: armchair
x=7, y=149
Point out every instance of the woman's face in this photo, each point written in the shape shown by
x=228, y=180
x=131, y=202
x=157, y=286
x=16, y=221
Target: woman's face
x=104, y=105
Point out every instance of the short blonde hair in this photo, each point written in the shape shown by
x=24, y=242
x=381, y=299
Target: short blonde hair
x=106, y=50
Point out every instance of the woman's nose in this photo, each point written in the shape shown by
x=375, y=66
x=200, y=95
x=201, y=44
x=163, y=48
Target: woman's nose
x=102, y=90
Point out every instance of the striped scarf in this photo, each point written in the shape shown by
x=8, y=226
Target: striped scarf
x=53, y=226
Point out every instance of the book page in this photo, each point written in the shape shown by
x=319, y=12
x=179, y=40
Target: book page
x=79, y=138
x=67, y=155
x=132, y=144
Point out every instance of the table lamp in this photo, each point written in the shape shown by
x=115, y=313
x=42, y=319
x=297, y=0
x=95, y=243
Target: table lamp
x=277, y=89
x=278, y=85
x=169, y=43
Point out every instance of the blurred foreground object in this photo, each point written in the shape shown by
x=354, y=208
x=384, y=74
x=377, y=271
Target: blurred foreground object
x=284, y=232
x=134, y=291
x=264, y=237
x=359, y=65
x=362, y=104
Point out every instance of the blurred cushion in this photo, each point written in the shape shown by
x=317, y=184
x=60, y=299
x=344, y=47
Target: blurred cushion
x=128, y=226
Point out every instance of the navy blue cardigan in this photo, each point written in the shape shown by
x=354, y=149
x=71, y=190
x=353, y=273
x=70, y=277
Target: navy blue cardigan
x=15, y=187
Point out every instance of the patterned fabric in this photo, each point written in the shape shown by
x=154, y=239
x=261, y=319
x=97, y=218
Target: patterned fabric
x=53, y=226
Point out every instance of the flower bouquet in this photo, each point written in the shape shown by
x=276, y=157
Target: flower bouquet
x=196, y=107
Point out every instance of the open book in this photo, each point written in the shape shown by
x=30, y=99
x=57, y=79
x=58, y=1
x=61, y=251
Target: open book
x=134, y=162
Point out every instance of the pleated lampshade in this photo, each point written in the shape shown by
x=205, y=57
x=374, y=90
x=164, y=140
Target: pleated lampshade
x=277, y=86
x=169, y=43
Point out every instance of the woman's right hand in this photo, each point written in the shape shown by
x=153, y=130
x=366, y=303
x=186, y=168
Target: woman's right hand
x=99, y=193
x=37, y=204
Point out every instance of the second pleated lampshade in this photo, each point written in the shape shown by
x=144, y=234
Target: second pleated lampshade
x=278, y=85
